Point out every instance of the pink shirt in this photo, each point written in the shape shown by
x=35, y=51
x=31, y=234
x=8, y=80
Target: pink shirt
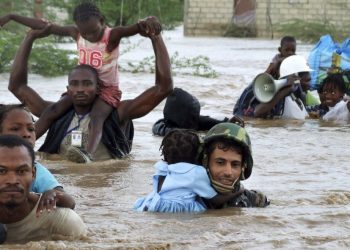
x=95, y=55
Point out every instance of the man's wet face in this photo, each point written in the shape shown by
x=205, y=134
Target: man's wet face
x=82, y=86
x=225, y=165
x=16, y=175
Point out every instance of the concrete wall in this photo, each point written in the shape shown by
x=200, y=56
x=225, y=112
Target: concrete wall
x=207, y=17
x=213, y=17
x=269, y=13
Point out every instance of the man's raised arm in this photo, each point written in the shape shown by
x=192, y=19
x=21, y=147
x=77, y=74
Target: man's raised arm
x=149, y=99
x=18, y=83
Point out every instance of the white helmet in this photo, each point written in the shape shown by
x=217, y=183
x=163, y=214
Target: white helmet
x=293, y=64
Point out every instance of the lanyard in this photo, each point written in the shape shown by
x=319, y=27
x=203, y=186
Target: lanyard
x=79, y=120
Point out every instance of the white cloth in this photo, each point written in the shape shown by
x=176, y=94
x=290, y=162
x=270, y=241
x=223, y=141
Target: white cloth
x=292, y=110
x=338, y=113
x=61, y=221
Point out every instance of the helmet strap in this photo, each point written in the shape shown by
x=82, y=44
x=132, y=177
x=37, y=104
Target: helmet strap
x=242, y=172
x=221, y=188
x=205, y=161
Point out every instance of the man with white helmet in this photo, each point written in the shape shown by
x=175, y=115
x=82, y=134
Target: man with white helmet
x=289, y=101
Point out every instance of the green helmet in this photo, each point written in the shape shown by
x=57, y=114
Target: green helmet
x=237, y=134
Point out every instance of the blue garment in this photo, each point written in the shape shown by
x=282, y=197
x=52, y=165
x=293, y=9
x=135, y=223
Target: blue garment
x=323, y=56
x=44, y=180
x=182, y=188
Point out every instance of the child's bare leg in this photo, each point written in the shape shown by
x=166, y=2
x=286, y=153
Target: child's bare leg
x=52, y=113
x=99, y=113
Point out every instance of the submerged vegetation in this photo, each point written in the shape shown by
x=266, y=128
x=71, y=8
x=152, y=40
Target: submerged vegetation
x=198, y=66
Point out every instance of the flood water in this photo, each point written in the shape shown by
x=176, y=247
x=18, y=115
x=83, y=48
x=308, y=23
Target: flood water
x=303, y=167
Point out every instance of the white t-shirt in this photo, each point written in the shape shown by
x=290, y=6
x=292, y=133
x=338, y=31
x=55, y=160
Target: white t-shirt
x=61, y=221
x=338, y=113
x=294, y=110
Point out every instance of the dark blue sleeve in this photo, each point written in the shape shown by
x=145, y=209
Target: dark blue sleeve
x=161, y=128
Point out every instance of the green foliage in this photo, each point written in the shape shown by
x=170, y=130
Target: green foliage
x=8, y=41
x=198, y=66
x=126, y=12
x=16, y=6
x=236, y=31
x=310, y=31
x=169, y=12
x=46, y=59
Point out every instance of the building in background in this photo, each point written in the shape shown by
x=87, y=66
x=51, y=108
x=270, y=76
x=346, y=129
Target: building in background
x=259, y=18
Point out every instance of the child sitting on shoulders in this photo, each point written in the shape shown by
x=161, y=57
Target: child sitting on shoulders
x=179, y=182
x=287, y=48
x=97, y=46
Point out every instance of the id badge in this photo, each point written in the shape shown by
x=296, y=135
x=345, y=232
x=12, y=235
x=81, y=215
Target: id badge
x=77, y=138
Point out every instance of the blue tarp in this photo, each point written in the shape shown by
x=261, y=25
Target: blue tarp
x=320, y=60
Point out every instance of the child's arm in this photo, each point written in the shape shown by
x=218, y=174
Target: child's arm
x=30, y=22
x=69, y=30
x=52, y=198
x=36, y=23
x=149, y=26
x=220, y=199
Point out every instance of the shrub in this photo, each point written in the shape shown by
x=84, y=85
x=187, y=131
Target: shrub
x=310, y=31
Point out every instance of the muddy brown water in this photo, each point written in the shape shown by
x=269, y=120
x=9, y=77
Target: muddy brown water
x=302, y=167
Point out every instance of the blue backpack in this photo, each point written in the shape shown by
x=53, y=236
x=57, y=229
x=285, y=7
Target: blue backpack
x=329, y=56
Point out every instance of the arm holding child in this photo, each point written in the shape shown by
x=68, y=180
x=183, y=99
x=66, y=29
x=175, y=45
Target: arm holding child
x=149, y=26
x=263, y=109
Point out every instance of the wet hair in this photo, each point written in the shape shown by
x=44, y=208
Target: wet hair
x=6, y=108
x=224, y=144
x=287, y=39
x=86, y=67
x=180, y=145
x=335, y=80
x=11, y=141
x=86, y=10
